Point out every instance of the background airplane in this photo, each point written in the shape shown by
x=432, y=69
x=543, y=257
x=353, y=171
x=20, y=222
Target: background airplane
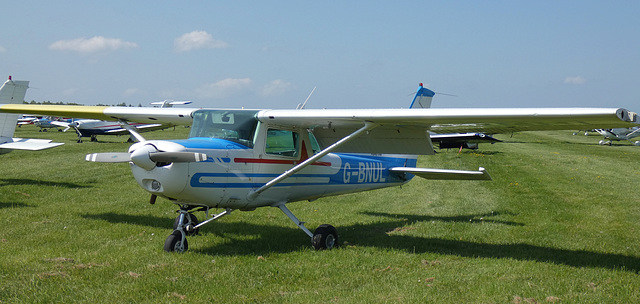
x=619, y=134
x=13, y=92
x=423, y=100
x=46, y=123
x=94, y=127
x=26, y=120
x=238, y=159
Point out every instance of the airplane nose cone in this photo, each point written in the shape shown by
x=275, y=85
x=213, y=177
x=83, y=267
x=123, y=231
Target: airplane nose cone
x=140, y=157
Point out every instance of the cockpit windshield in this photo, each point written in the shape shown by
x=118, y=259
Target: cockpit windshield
x=238, y=126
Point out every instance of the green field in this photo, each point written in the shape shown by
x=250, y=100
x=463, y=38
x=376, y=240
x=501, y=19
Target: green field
x=559, y=223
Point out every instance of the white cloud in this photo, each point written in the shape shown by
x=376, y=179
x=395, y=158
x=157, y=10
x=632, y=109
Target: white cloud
x=132, y=92
x=70, y=91
x=2, y=49
x=92, y=45
x=197, y=40
x=575, y=80
x=275, y=88
x=223, y=88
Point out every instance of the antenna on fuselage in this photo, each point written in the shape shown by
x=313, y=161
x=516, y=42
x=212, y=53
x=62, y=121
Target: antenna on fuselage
x=301, y=106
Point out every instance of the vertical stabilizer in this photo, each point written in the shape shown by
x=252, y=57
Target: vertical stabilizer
x=422, y=99
x=12, y=91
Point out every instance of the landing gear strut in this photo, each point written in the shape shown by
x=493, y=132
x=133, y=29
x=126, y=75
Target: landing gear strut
x=324, y=237
x=186, y=224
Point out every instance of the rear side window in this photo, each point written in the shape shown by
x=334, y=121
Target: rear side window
x=282, y=142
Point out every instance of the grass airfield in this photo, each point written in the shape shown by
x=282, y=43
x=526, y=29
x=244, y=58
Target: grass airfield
x=559, y=223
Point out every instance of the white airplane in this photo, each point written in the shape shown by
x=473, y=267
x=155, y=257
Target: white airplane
x=619, y=134
x=26, y=120
x=46, y=123
x=237, y=159
x=469, y=140
x=12, y=92
x=93, y=127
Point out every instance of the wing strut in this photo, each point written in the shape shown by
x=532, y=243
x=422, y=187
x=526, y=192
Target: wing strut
x=367, y=127
x=132, y=130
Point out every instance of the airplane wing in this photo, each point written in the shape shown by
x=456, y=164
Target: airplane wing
x=177, y=116
x=394, y=130
x=29, y=144
x=403, y=130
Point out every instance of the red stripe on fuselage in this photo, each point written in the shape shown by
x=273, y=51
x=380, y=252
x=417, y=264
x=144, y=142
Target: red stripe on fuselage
x=276, y=161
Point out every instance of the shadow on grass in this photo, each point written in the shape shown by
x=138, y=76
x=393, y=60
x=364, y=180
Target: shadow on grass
x=243, y=238
x=14, y=205
x=142, y=220
x=24, y=181
x=471, y=218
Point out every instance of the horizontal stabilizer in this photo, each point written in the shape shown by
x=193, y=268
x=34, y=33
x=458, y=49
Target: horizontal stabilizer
x=29, y=144
x=444, y=174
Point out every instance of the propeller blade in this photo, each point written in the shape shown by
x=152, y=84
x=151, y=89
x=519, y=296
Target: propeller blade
x=177, y=157
x=111, y=157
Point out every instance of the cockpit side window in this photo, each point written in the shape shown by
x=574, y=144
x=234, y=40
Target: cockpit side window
x=237, y=126
x=282, y=142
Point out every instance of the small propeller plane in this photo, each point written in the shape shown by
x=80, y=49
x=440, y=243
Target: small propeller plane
x=12, y=92
x=94, y=127
x=241, y=159
x=619, y=134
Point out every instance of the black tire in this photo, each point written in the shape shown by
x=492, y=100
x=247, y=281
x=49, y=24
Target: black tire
x=325, y=237
x=194, y=221
x=172, y=243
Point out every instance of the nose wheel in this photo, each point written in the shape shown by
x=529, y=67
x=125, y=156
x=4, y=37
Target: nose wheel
x=176, y=242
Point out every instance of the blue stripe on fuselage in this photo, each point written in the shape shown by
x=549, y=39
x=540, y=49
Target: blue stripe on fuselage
x=209, y=143
x=355, y=169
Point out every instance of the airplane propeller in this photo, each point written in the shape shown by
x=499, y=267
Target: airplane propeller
x=147, y=157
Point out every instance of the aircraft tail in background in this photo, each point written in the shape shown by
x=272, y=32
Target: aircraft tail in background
x=422, y=99
x=13, y=92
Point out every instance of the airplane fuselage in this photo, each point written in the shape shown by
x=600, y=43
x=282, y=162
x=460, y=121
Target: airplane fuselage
x=245, y=157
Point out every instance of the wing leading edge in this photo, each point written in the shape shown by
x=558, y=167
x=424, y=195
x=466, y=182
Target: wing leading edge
x=176, y=116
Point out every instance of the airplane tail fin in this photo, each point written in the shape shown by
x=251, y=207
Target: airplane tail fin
x=12, y=91
x=423, y=97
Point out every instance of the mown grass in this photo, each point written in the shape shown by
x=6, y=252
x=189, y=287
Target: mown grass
x=558, y=223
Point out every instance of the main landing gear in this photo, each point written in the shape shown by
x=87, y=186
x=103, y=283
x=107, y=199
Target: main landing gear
x=186, y=224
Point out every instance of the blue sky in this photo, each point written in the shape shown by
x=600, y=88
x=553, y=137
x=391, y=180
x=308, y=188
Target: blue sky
x=271, y=54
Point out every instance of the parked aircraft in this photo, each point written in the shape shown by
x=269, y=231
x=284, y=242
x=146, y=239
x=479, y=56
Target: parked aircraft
x=422, y=100
x=619, y=134
x=237, y=159
x=26, y=120
x=94, y=127
x=46, y=123
x=469, y=140
x=12, y=92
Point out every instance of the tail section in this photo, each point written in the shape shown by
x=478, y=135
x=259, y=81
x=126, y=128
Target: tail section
x=12, y=91
x=422, y=99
